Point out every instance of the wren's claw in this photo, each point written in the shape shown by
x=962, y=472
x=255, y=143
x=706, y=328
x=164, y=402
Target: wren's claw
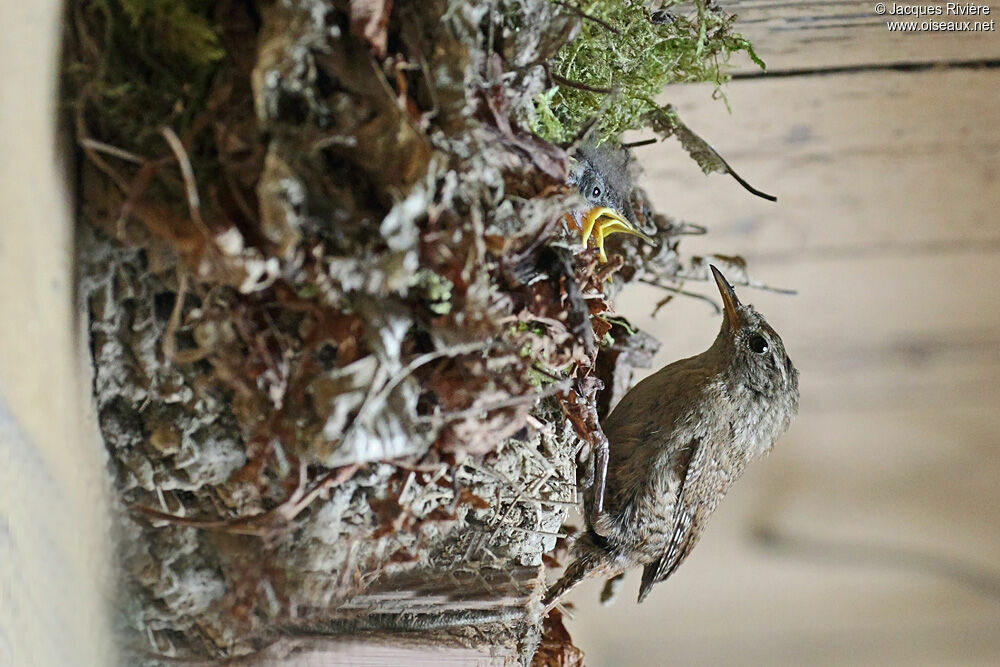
x=602, y=222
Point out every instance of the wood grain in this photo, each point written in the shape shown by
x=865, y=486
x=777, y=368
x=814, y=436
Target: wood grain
x=53, y=528
x=814, y=36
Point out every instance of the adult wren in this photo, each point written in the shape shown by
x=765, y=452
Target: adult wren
x=678, y=441
x=601, y=174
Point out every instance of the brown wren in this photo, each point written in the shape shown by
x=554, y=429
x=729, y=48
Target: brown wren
x=678, y=441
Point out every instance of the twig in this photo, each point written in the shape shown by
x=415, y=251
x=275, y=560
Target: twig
x=261, y=524
x=551, y=390
x=549, y=374
x=108, y=149
x=563, y=81
x=677, y=290
x=92, y=155
x=753, y=284
x=534, y=531
x=638, y=144
x=169, y=341
x=582, y=14
x=749, y=188
x=190, y=187
x=407, y=370
x=683, y=228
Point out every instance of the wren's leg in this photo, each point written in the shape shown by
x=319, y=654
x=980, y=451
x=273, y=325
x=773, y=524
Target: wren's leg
x=600, y=473
x=587, y=424
x=599, y=522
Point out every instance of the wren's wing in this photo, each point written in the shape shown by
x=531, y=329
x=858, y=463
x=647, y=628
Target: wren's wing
x=696, y=498
x=641, y=444
x=684, y=535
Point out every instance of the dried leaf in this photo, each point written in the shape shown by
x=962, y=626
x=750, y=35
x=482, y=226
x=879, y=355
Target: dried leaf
x=369, y=20
x=556, y=648
x=667, y=123
x=466, y=497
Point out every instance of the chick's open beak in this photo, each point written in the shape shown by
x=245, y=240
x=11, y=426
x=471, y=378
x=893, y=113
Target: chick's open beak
x=730, y=303
x=601, y=222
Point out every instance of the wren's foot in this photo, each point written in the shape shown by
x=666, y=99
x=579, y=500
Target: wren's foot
x=611, y=589
x=601, y=222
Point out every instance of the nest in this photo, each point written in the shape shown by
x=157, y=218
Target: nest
x=347, y=356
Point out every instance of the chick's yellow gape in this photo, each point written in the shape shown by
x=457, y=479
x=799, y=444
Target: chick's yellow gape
x=602, y=222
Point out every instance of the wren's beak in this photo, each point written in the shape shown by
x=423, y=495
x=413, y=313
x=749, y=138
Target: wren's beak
x=730, y=304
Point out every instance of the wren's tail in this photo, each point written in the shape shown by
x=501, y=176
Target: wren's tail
x=591, y=559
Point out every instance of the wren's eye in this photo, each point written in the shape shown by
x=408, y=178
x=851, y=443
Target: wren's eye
x=596, y=193
x=758, y=344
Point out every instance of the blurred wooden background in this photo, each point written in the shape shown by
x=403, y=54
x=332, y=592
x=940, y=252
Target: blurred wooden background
x=884, y=151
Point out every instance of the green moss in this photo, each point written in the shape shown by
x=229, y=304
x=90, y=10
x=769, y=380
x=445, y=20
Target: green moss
x=177, y=28
x=307, y=291
x=633, y=57
x=144, y=64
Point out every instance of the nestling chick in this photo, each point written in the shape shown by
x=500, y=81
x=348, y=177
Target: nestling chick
x=601, y=174
x=678, y=441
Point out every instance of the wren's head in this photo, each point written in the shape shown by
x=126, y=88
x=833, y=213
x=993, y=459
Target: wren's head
x=601, y=174
x=756, y=356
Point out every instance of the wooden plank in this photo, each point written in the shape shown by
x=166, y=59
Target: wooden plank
x=54, y=534
x=810, y=35
x=875, y=163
